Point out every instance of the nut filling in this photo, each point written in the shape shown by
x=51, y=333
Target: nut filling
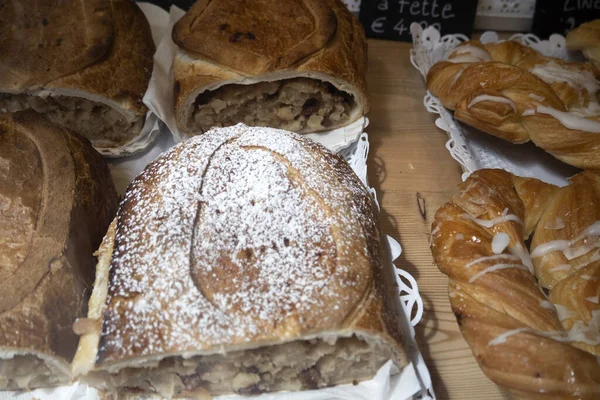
x=298, y=105
x=28, y=372
x=291, y=366
x=97, y=122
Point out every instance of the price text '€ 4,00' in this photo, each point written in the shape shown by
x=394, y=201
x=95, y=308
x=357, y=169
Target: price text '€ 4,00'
x=429, y=9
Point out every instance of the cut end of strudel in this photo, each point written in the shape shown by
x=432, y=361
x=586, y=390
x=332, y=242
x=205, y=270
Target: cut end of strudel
x=246, y=260
x=300, y=67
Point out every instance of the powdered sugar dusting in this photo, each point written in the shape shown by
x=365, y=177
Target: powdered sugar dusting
x=236, y=235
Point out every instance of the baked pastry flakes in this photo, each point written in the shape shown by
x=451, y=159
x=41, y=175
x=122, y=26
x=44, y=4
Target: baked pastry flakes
x=530, y=313
x=511, y=91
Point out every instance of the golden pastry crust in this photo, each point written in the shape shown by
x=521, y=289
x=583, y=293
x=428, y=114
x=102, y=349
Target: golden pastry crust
x=513, y=92
x=586, y=38
x=535, y=346
x=219, y=46
x=57, y=197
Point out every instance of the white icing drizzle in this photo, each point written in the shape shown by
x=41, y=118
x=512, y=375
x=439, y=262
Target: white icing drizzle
x=556, y=335
x=593, y=299
x=523, y=254
x=528, y=112
x=577, y=334
x=582, y=81
x=578, y=251
x=589, y=277
x=553, y=72
x=571, y=120
x=496, y=267
x=500, y=339
x=595, y=257
x=561, y=245
x=557, y=224
x=469, y=53
x=496, y=99
x=455, y=79
x=537, y=97
x=489, y=223
x=459, y=236
x=561, y=267
x=592, y=110
x=564, y=313
x=586, y=332
x=435, y=231
x=577, y=267
x=492, y=258
x=226, y=201
x=546, y=304
x=500, y=242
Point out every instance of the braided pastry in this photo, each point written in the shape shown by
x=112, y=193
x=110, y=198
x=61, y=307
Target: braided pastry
x=513, y=92
x=536, y=346
x=586, y=38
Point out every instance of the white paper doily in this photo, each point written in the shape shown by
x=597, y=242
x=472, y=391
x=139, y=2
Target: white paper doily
x=474, y=149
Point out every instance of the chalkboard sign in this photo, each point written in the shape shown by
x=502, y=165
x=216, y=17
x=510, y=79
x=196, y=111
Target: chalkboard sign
x=562, y=16
x=391, y=19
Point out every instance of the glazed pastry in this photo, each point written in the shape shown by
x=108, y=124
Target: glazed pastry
x=299, y=67
x=245, y=260
x=56, y=200
x=536, y=346
x=85, y=65
x=513, y=92
x=586, y=38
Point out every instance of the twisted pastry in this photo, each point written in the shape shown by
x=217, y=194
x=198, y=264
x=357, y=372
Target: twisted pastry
x=513, y=92
x=586, y=38
x=536, y=346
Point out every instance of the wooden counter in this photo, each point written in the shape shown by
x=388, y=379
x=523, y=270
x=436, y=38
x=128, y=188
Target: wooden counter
x=414, y=174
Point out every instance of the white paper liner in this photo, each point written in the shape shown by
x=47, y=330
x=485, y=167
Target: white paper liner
x=472, y=148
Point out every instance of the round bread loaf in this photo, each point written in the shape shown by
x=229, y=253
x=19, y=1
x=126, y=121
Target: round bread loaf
x=56, y=201
x=244, y=260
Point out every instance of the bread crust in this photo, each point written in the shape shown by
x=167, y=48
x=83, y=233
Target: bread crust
x=122, y=76
x=44, y=40
x=331, y=46
x=516, y=334
x=98, y=50
x=355, y=297
x=58, y=199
